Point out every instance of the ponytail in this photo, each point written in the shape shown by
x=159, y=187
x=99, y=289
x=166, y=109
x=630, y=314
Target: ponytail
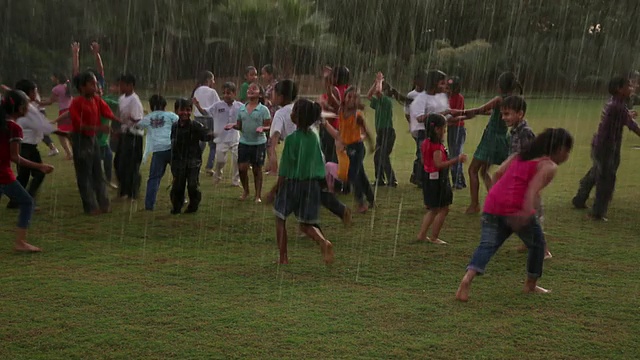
x=547, y=143
x=433, y=122
x=307, y=113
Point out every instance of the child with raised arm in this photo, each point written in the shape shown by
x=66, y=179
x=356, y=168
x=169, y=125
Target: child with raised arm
x=380, y=97
x=223, y=113
x=186, y=157
x=158, y=124
x=253, y=121
x=299, y=177
x=14, y=105
x=436, y=187
x=511, y=203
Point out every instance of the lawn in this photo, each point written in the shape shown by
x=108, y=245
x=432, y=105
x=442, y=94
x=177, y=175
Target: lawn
x=135, y=284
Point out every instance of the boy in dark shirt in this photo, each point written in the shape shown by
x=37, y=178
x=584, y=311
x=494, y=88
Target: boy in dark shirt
x=186, y=157
x=605, y=149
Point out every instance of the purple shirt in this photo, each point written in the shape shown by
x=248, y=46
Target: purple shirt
x=615, y=116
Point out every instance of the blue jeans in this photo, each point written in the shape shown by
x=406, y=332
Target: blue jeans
x=159, y=163
x=357, y=176
x=107, y=161
x=456, y=136
x=19, y=196
x=495, y=230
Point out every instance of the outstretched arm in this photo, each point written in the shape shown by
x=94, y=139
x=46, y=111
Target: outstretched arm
x=95, y=48
x=20, y=161
x=75, y=58
x=482, y=110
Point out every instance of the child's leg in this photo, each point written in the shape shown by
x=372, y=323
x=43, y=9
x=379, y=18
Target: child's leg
x=37, y=176
x=427, y=220
x=331, y=170
x=441, y=215
x=533, y=237
x=24, y=173
x=257, y=179
x=17, y=194
x=159, y=161
x=177, y=188
x=605, y=185
x=221, y=160
x=83, y=164
x=243, y=170
x=587, y=183
x=377, y=160
x=486, y=178
x=64, y=141
x=474, y=186
x=493, y=234
x=316, y=235
x=138, y=151
x=281, y=236
x=212, y=155
x=234, y=165
x=387, y=146
x=97, y=179
x=193, y=188
x=107, y=162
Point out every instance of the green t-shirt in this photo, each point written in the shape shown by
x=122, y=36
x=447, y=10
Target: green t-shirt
x=112, y=101
x=242, y=96
x=302, y=157
x=384, y=111
x=251, y=122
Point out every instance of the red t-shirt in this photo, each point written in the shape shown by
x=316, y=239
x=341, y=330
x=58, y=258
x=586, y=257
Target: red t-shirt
x=427, y=149
x=87, y=112
x=456, y=102
x=12, y=134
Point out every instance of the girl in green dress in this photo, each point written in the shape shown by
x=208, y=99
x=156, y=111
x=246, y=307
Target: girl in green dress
x=494, y=145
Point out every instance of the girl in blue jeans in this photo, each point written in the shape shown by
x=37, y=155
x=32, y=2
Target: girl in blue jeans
x=13, y=106
x=511, y=203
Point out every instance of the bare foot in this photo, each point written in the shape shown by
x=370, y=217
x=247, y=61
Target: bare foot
x=463, y=291
x=363, y=209
x=436, y=241
x=283, y=261
x=244, y=196
x=547, y=255
x=327, y=252
x=522, y=248
x=536, y=290
x=472, y=209
x=26, y=247
x=258, y=200
x=346, y=217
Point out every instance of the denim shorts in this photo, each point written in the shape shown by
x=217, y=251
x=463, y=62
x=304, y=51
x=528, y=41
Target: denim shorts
x=300, y=197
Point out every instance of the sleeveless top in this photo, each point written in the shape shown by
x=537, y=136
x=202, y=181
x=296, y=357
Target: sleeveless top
x=350, y=132
x=507, y=196
x=496, y=125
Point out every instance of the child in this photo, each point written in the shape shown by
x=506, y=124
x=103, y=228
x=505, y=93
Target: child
x=85, y=111
x=13, y=106
x=34, y=126
x=352, y=126
x=130, y=146
x=380, y=97
x=605, y=150
x=206, y=96
x=223, y=113
x=284, y=94
x=53, y=151
x=298, y=188
x=494, y=146
x=250, y=76
x=186, y=157
x=61, y=93
x=510, y=207
x=252, y=122
x=456, y=133
x=268, y=75
x=416, y=127
x=109, y=139
x=436, y=188
x=158, y=124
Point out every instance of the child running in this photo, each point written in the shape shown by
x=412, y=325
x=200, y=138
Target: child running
x=436, y=187
x=494, y=146
x=510, y=207
x=186, y=158
x=250, y=76
x=13, y=106
x=380, y=97
x=61, y=94
x=300, y=175
x=158, y=143
x=253, y=122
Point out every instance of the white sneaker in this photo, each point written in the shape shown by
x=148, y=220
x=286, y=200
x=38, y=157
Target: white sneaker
x=54, y=152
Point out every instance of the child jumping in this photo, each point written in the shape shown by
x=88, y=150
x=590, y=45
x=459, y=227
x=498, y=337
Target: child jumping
x=299, y=177
x=510, y=207
x=13, y=106
x=436, y=187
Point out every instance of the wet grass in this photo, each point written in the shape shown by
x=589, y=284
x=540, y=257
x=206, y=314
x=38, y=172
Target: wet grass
x=135, y=284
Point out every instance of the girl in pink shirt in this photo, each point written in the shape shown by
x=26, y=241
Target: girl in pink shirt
x=61, y=93
x=511, y=203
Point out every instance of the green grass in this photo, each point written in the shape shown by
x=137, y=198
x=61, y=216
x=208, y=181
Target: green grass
x=133, y=284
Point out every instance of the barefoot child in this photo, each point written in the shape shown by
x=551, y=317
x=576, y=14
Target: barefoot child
x=186, y=157
x=436, y=187
x=298, y=188
x=253, y=122
x=510, y=207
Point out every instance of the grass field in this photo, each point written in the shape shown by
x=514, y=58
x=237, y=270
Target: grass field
x=135, y=284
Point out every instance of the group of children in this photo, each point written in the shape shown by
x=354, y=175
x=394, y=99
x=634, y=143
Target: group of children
x=323, y=148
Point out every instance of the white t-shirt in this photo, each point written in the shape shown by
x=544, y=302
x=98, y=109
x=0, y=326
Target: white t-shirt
x=416, y=109
x=282, y=122
x=223, y=114
x=411, y=95
x=131, y=111
x=207, y=97
x=437, y=103
x=34, y=126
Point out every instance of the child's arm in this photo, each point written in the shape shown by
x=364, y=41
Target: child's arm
x=437, y=160
x=64, y=116
x=482, y=110
x=335, y=134
x=274, y=138
x=75, y=58
x=53, y=98
x=376, y=88
x=95, y=48
x=105, y=111
x=503, y=168
x=20, y=161
x=236, y=126
x=266, y=123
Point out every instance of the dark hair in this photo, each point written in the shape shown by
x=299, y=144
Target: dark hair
x=13, y=100
x=128, y=79
x=260, y=91
x=515, y=103
x=433, y=78
x=341, y=74
x=307, y=113
x=203, y=77
x=229, y=86
x=269, y=69
x=249, y=69
x=420, y=79
x=182, y=103
x=157, y=102
x=287, y=89
x=548, y=143
x=616, y=83
x=454, y=84
x=62, y=79
x=83, y=78
x=26, y=86
x=508, y=83
x=433, y=122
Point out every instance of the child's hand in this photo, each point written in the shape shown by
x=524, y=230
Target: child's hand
x=634, y=114
x=95, y=47
x=75, y=47
x=45, y=168
x=195, y=102
x=379, y=77
x=326, y=71
x=260, y=129
x=455, y=112
x=462, y=158
x=229, y=126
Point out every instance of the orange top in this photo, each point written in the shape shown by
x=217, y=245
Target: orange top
x=350, y=131
x=343, y=166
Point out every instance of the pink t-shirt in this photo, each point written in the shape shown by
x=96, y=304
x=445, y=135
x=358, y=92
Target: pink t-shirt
x=64, y=101
x=507, y=196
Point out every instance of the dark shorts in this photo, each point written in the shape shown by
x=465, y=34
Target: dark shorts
x=437, y=193
x=300, y=197
x=252, y=154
